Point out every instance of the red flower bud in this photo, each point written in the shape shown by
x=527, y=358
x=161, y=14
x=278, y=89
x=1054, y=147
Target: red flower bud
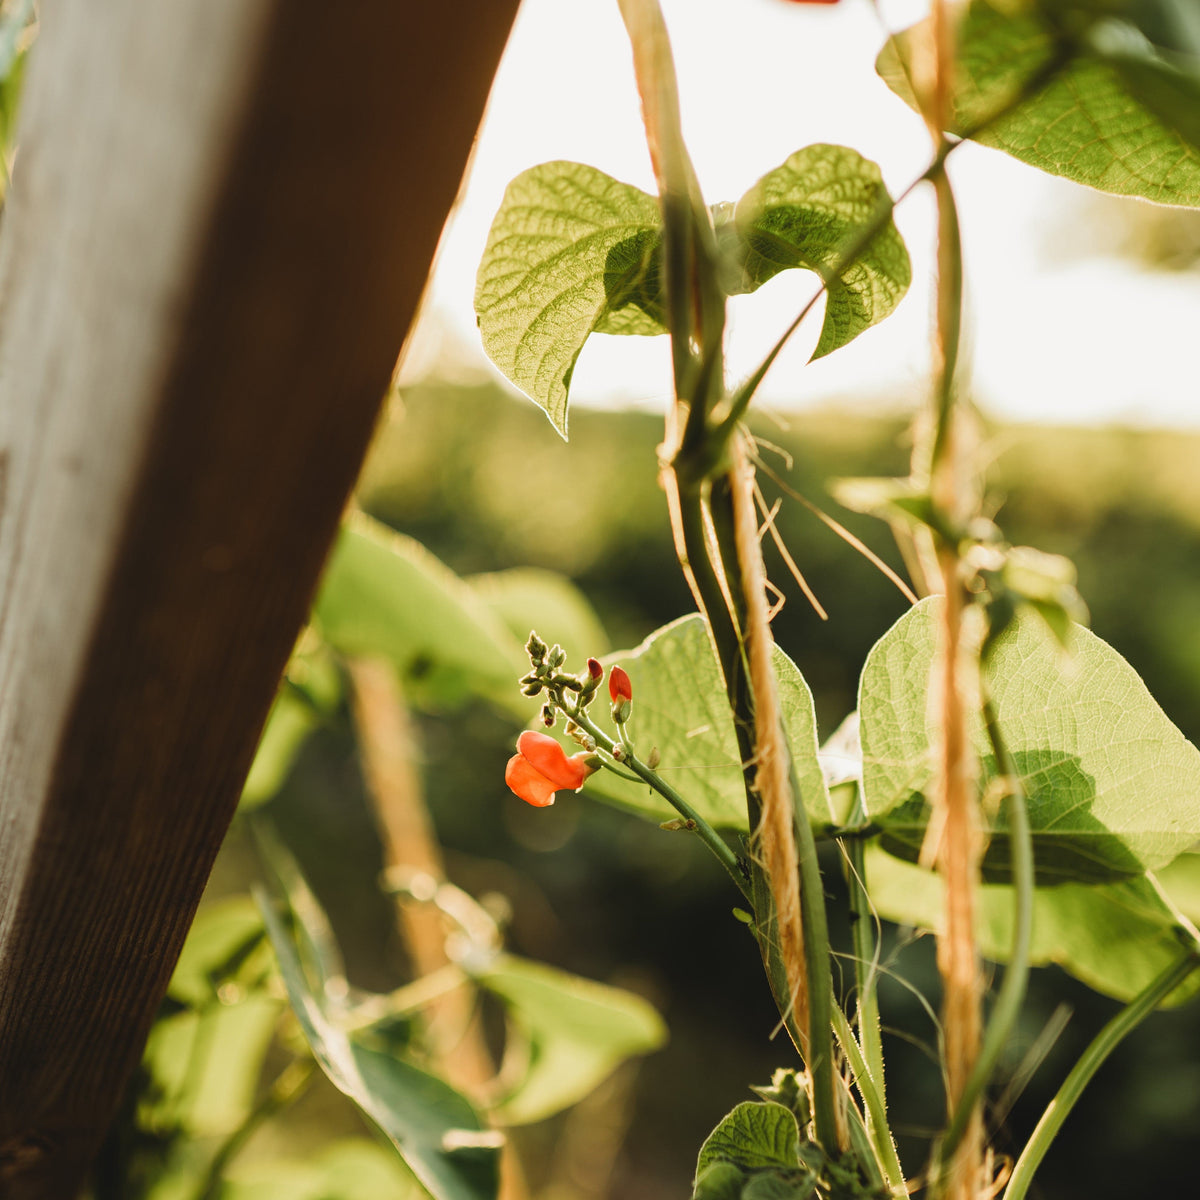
x=541, y=766
x=595, y=670
x=619, y=687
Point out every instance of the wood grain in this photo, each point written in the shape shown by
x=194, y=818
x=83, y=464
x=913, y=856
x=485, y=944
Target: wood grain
x=222, y=216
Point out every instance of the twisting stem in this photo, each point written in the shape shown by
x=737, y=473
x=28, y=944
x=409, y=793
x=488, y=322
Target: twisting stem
x=784, y=836
x=957, y=850
x=1104, y=1043
x=1012, y=992
x=957, y=857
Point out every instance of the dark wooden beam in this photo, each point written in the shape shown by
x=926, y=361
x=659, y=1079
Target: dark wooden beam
x=222, y=217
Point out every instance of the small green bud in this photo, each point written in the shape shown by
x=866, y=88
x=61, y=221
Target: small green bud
x=556, y=656
x=653, y=758
x=532, y=689
x=547, y=715
x=535, y=648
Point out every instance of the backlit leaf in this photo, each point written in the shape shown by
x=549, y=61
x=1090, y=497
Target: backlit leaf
x=804, y=214
x=569, y=251
x=1086, y=124
x=679, y=706
x=1115, y=937
x=756, y=1135
x=1113, y=787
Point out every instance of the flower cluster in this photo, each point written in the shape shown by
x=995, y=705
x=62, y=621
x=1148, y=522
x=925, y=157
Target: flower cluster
x=541, y=766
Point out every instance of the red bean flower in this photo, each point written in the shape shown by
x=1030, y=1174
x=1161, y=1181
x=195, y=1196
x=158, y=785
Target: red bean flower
x=619, y=687
x=541, y=767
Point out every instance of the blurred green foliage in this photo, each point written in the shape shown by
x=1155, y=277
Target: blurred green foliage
x=1125, y=506
x=594, y=891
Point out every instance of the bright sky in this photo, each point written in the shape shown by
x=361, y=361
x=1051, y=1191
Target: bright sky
x=1091, y=341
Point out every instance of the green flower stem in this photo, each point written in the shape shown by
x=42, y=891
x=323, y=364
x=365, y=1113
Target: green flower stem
x=819, y=970
x=707, y=834
x=1104, y=1043
x=871, y=1092
x=862, y=929
x=1012, y=991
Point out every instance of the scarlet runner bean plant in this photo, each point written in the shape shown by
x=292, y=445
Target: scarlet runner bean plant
x=1014, y=786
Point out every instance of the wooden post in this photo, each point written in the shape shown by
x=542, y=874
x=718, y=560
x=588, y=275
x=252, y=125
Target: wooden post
x=222, y=217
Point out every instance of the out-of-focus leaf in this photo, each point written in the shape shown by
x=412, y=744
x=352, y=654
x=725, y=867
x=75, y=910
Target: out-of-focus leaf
x=15, y=36
x=804, y=214
x=679, y=706
x=350, y=1169
x=385, y=596
x=1181, y=881
x=289, y=723
x=204, y=1065
x=1115, y=937
x=569, y=247
x=1113, y=788
x=204, y=1062
x=577, y=1032
x=436, y=1131
x=1086, y=124
x=226, y=944
x=526, y=599
x=1167, y=85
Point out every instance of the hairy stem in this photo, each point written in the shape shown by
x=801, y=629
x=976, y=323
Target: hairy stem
x=865, y=962
x=869, y=1088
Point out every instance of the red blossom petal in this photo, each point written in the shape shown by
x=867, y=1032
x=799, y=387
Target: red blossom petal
x=549, y=759
x=595, y=670
x=619, y=687
x=533, y=787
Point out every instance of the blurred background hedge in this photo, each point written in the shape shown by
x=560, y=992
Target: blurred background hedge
x=610, y=897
